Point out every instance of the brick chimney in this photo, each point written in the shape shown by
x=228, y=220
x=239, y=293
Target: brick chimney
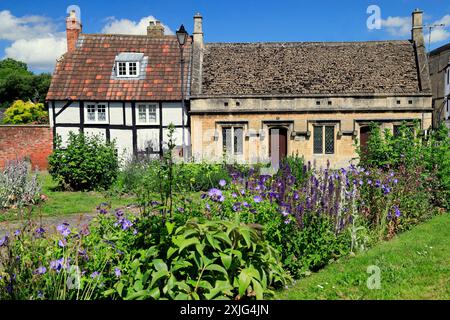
x=73, y=30
x=155, y=29
x=417, y=27
x=197, y=55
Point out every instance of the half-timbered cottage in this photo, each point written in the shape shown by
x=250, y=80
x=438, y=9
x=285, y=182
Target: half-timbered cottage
x=122, y=87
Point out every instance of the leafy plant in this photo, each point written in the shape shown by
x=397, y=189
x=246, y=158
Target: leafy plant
x=86, y=163
x=25, y=112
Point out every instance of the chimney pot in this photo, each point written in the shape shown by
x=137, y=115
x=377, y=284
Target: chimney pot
x=73, y=30
x=155, y=29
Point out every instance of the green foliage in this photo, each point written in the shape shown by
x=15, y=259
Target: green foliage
x=25, y=112
x=86, y=163
x=17, y=83
x=119, y=257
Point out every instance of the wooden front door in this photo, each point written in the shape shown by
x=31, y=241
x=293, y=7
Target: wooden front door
x=278, y=145
x=364, y=133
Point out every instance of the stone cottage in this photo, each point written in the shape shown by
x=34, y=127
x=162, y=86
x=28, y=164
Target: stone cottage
x=253, y=102
x=439, y=61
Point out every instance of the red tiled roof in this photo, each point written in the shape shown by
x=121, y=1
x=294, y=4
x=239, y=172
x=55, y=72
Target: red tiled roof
x=85, y=74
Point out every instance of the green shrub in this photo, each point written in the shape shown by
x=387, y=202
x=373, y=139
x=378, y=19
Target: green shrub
x=120, y=257
x=25, y=112
x=86, y=163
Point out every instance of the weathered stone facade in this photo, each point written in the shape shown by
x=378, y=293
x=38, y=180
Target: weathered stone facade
x=440, y=83
x=297, y=87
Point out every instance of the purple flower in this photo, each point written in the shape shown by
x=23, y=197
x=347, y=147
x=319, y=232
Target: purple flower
x=395, y=181
x=216, y=195
x=17, y=232
x=40, y=270
x=208, y=207
x=4, y=241
x=64, y=229
x=397, y=212
x=257, y=199
x=287, y=221
x=126, y=224
x=386, y=190
x=95, y=274
x=234, y=195
x=222, y=183
x=135, y=232
x=180, y=209
x=361, y=182
x=117, y=272
x=62, y=243
x=284, y=213
x=40, y=231
x=59, y=264
x=369, y=182
x=119, y=214
x=242, y=191
x=245, y=204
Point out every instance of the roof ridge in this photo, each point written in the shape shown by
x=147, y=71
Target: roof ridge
x=309, y=42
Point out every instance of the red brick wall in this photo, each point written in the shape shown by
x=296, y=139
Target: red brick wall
x=30, y=142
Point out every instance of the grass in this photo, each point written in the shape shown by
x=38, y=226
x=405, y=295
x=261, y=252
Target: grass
x=64, y=203
x=414, y=265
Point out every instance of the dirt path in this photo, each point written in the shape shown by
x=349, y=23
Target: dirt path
x=72, y=219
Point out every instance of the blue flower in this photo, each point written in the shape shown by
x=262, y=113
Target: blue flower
x=257, y=199
x=40, y=270
x=222, y=183
x=369, y=182
x=287, y=221
x=17, y=232
x=395, y=181
x=117, y=272
x=126, y=224
x=234, y=195
x=208, y=207
x=59, y=264
x=95, y=274
x=62, y=243
x=397, y=212
x=64, y=229
x=216, y=195
x=4, y=241
x=40, y=231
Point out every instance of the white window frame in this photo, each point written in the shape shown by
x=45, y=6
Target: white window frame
x=95, y=106
x=233, y=128
x=147, y=113
x=127, y=69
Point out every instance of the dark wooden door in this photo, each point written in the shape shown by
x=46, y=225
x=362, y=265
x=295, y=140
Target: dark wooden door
x=364, y=133
x=278, y=145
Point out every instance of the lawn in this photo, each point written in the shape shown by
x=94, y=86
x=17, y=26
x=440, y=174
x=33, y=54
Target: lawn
x=64, y=203
x=414, y=265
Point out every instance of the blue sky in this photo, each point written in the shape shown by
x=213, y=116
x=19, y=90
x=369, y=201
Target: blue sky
x=33, y=31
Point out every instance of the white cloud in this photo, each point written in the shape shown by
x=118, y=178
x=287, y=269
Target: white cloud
x=36, y=40
x=397, y=26
x=125, y=26
x=28, y=27
x=439, y=33
x=401, y=27
x=40, y=53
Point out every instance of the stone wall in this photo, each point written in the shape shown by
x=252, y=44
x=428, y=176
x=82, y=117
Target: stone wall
x=207, y=133
x=33, y=143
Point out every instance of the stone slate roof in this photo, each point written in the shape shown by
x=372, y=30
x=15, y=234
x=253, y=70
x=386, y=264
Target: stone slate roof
x=304, y=68
x=86, y=73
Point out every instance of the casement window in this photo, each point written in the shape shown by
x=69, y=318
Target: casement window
x=96, y=113
x=147, y=113
x=396, y=129
x=127, y=69
x=323, y=139
x=233, y=140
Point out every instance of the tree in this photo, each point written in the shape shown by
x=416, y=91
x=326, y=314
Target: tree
x=18, y=83
x=25, y=112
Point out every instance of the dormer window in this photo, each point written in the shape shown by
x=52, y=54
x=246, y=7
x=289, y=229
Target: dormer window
x=127, y=69
x=129, y=64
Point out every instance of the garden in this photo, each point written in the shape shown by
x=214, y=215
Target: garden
x=167, y=230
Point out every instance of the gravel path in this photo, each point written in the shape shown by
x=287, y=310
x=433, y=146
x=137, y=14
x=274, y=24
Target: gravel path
x=72, y=219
